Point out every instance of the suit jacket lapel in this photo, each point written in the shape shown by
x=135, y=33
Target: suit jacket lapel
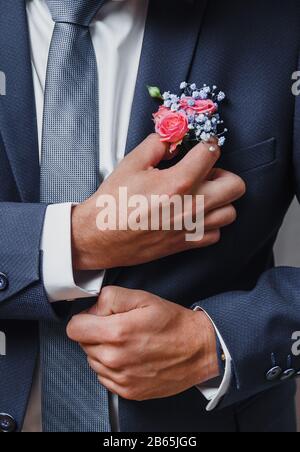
x=171, y=35
x=17, y=109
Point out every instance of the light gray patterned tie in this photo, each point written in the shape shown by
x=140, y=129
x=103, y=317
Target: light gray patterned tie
x=73, y=399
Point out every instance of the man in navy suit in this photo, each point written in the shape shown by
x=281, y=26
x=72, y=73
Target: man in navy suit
x=170, y=318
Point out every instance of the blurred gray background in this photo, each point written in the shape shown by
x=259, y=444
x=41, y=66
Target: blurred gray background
x=288, y=251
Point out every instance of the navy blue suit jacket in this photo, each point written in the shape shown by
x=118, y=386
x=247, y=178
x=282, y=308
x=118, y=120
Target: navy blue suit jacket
x=249, y=49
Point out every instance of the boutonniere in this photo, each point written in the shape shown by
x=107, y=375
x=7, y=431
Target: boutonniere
x=191, y=116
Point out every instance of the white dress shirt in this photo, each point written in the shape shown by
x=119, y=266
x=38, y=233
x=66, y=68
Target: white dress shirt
x=117, y=33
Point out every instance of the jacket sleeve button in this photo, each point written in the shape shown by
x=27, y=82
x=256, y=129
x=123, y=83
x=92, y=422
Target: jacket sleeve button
x=3, y=282
x=274, y=374
x=7, y=423
x=287, y=374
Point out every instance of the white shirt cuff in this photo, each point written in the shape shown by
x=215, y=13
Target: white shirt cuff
x=59, y=278
x=215, y=394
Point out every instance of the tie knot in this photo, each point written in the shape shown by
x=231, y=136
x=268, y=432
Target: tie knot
x=80, y=12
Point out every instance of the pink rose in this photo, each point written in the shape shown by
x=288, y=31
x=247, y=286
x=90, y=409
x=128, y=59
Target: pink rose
x=171, y=126
x=200, y=106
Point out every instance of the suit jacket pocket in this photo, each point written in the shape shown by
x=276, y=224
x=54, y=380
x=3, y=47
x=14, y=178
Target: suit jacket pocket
x=251, y=158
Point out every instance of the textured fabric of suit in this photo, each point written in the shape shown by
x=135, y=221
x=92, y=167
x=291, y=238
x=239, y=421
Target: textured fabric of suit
x=249, y=49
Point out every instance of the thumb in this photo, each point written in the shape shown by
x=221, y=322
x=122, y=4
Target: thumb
x=148, y=154
x=117, y=300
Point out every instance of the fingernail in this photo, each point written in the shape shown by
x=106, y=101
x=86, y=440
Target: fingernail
x=212, y=149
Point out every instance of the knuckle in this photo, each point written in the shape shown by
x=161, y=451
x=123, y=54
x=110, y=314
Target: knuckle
x=182, y=185
x=119, y=334
x=111, y=360
x=123, y=380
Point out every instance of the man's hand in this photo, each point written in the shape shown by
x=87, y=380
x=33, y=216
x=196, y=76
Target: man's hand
x=194, y=175
x=143, y=347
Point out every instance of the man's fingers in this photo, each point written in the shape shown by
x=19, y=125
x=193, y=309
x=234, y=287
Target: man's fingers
x=117, y=300
x=197, y=164
x=210, y=238
x=112, y=387
x=220, y=218
x=108, y=361
x=101, y=369
x=222, y=189
x=90, y=329
x=148, y=154
x=103, y=325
